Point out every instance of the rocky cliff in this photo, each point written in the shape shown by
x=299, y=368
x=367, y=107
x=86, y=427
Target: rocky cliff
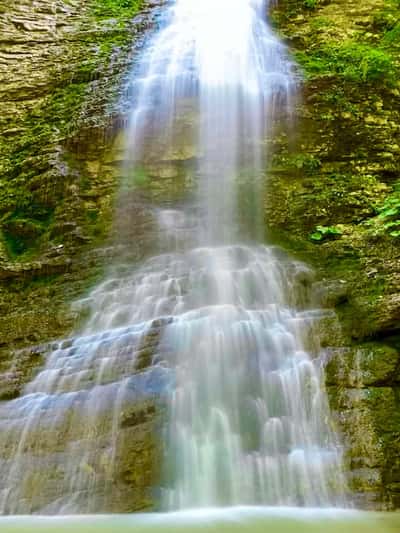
x=334, y=200
x=63, y=74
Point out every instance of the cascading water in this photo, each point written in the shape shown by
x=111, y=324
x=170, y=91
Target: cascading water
x=227, y=318
x=248, y=420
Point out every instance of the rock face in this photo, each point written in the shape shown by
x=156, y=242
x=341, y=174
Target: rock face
x=83, y=438
x=62, y=77
x=333, y=199
x=61, y=66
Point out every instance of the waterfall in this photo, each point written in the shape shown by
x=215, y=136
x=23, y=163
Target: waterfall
x=248, y=420
x=227, y=320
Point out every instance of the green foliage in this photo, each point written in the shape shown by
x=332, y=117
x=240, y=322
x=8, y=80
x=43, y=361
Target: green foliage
x=389, y=213
x=21, y=235
x=337, y=98
x=310, y=4
x=386, y=20
x=306, y=162
x=387, y=216
x=15, y=245
x=392, y=37
x=323, y=233
x=318, y=23
x=116, y=8
x=353, y=61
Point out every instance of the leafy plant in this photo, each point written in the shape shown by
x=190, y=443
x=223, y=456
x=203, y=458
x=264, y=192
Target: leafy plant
x=387, y=219
x=355, y=62
x=311, y=4
x=307, y=162
x=322, y=233
x=392, y=36
x=389, y=213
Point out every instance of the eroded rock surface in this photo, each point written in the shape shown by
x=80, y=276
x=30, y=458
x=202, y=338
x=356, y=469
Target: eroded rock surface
x=333, y=199
x=63, y=67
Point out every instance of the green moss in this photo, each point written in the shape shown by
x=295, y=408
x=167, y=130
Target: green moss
x=387, y=219
x=116, y=8
x=301, y=161
x=354, y=62
x=311, y=4
x=324, y=47
x=29, y=183
x=364, y=365
x=139, y=178
x=392, y=36
x=322, y=233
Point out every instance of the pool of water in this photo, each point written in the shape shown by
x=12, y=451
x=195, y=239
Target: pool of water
x=237, y=519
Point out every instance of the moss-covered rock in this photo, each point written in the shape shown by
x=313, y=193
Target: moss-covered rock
x=60, y=80
x=369, y=364
x=62, y=71
x=332, y=199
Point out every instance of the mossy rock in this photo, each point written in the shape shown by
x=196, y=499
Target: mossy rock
x=364, y=365
x=339, y=181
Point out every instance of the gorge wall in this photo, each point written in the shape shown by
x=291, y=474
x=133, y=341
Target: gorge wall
x=63, y=71
x=333, y=201
x=60, y=71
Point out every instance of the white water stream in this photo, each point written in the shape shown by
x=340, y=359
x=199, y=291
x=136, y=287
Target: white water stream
x=248, y=421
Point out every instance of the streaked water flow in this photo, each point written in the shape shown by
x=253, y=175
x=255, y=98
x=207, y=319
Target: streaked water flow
x=227, y=320
x=248, y=417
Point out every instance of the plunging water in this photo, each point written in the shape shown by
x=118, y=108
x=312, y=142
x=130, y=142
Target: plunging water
x=226, y=320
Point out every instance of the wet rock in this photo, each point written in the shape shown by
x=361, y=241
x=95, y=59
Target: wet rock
x=362, y=366
x=61, y=72
x=343, y=172
x=25, y=363
x=331, y=293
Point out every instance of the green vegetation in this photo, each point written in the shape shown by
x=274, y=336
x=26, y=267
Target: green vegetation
x=309, y=163
x=355, y=62
x=322, y=233
x=388, y=215
x=311, y=4
x=365, y=55
x=31, y=187
x=116, y=8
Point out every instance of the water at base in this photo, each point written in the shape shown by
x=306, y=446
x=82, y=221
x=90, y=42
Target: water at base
x=229, y=520
x=224, y=322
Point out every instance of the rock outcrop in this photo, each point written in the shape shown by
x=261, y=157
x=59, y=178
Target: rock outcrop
x=61, y=76
x=333, y=199
x=63, y=73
